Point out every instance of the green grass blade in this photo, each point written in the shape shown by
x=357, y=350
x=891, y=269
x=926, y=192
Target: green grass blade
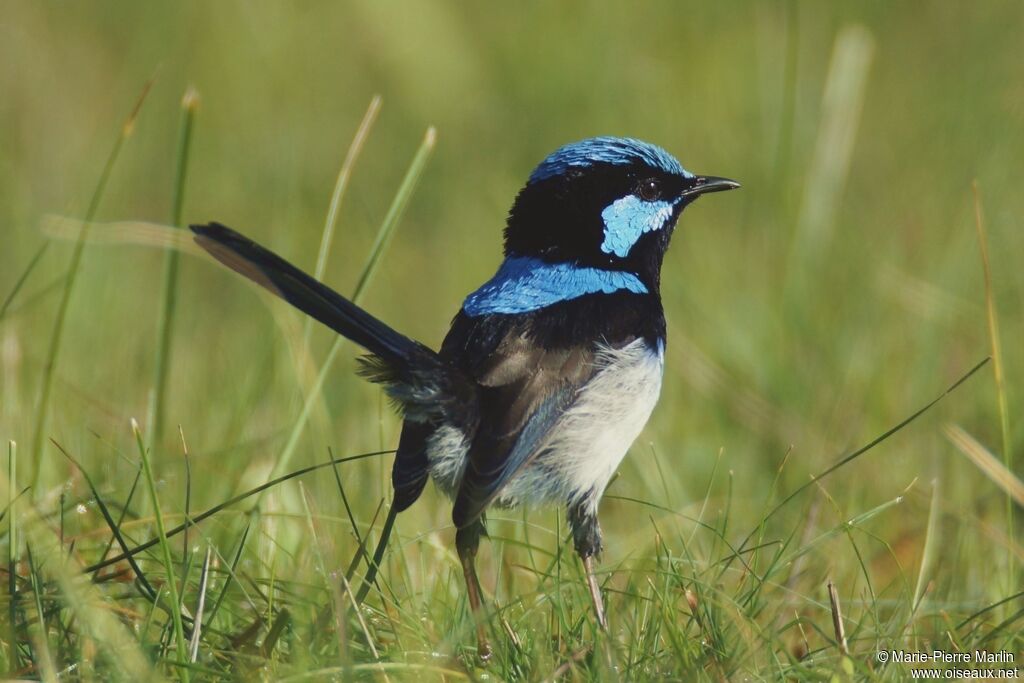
x=12, y=551
x=931, y=543
x=197, y=624
x=845, y=460
x=42, y=657
x=113, y=641
x=192, y=521
x=232, y=566
x=340, y=186
x=989, y=608
x=168, y=305
x=378, y=555
x=360, y=543
x=989, y=465
x=998, y=372
x=23, y=278
x=841, y=105
x=395, y=211
x=181, y=651
x=50, y=368
x=841, y=528
x=7, y=508
x=115, y=527
x=186, y=553
x=387, y=228
x=124, y=508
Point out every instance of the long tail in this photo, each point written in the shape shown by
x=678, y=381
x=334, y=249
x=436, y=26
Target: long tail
x=424, y=387
x=269, y=270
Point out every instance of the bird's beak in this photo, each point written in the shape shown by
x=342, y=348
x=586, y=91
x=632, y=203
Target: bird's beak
x=709, y=183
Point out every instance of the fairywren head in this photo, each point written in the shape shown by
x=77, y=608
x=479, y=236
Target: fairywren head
x=604, y=202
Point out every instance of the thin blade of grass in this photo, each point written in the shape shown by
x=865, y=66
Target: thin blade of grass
x=23, y=278
x=186, y=554
x=928, y=553
x=86, y=605
x=337, y=604
x=168, y=302
x=52, y=355
x=395, y=211
x=40, y=645
x=181, y=651
x=387, y=228
x=7, y=508
x=193, y=521
x=340, y=186
x=841, y=106
x=995, y=343
x=987, y=463
x=989, y=608
x=360, y=542
x=30, y=300
x=124, y=509
x=845, y=460
x=836, y=530
x=232, y=566
x=378, y=555
x=412, y=669
x=115, y=528
x=12, y=552
x=197, y=623
x=284, y=618
x=305, y=367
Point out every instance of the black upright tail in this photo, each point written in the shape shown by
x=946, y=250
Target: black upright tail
x=425, y=388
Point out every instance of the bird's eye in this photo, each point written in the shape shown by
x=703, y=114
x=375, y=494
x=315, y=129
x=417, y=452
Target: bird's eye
x=649, y=190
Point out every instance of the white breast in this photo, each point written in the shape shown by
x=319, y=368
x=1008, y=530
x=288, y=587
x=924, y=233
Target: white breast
x=585, y=446
x=589, y=442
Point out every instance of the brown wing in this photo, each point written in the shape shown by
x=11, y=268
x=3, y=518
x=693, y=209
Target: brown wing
x=523, y=389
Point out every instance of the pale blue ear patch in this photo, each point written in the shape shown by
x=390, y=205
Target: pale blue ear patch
x=627, y=219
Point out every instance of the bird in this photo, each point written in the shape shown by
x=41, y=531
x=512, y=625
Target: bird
x=550, y=369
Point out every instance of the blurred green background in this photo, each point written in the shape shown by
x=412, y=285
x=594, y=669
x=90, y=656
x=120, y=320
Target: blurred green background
x=838, y=291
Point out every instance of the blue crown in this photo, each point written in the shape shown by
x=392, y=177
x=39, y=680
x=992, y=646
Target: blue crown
x=608, y=150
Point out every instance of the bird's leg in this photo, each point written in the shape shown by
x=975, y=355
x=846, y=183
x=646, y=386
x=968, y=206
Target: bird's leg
x=595, y=591
x=467, y=540
x=586, y=533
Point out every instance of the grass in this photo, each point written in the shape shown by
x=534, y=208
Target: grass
x=830, y=472
x=165, y=332
x=57, y=337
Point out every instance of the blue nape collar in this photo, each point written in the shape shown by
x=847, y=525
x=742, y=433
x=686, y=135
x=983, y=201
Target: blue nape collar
x=523, y=284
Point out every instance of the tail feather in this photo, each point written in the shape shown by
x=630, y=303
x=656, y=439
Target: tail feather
x=272, y=272
x=423, y=386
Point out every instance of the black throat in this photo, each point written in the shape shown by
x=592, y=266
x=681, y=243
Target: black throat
x=558, y=219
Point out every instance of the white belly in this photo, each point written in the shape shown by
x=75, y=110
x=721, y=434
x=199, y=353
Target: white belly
x=585, y=446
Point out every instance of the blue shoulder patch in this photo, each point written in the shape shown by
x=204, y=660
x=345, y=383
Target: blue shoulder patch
x=523, y=284
x=608, y=150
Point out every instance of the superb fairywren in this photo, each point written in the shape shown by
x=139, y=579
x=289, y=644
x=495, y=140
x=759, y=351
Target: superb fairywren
x=550, y=369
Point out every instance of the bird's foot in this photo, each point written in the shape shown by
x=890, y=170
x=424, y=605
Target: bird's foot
x=483, y=646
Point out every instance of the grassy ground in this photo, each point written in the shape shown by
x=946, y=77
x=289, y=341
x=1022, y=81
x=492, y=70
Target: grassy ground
x=839, y=292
